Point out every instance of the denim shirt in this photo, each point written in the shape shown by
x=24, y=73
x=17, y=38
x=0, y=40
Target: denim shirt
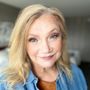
x=77, y=82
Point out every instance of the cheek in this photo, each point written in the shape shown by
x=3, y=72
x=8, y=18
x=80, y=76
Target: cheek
x=31, y=50
x=58, y=45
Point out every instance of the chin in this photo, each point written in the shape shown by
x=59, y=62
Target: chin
x=49, y=65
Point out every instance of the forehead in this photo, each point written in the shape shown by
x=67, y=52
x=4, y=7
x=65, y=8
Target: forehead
x=44, y=24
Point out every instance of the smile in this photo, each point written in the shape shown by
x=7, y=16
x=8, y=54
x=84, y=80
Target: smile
x=47, y=57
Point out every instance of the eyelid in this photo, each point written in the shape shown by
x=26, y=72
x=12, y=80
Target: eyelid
x=31, y=38
x=55, y=33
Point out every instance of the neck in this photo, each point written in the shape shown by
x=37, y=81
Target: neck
x=46, y=74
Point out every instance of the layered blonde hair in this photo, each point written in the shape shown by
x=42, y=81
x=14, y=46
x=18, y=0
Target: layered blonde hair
x=19, y=61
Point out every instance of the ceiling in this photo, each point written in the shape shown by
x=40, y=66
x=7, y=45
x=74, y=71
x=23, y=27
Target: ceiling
x=68, y=7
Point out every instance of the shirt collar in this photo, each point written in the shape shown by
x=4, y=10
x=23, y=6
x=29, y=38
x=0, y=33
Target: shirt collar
x=31, y=77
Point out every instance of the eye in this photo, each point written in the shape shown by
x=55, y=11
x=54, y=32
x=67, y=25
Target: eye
x=55, y=35
x=33, y=40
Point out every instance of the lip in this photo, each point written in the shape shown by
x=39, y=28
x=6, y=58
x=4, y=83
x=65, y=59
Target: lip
x=47, y=57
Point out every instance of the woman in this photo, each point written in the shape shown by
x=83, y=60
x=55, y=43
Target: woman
x=38, y=58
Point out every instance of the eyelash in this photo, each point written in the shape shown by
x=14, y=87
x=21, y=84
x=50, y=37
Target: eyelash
x=55, y=36
x=32, y=40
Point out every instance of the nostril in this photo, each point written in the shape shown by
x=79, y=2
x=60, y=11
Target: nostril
x=47, y=49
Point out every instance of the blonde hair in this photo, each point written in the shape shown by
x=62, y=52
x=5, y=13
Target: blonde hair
x=19, y=62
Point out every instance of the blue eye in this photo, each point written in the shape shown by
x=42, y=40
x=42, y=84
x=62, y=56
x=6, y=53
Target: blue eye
x=32, y=40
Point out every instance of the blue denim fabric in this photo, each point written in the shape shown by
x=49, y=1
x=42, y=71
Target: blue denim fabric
x=62, y=83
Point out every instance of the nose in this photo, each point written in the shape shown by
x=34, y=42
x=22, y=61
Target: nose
x=45, y=47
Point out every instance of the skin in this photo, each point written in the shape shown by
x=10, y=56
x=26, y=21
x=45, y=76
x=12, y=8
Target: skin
x=44, y=44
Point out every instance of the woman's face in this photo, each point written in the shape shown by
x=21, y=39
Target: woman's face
x=44, y=41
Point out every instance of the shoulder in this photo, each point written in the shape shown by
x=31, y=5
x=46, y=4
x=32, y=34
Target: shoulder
x=2, y=86
x=3, y=65
x=76, y=71
x=78, y=76
x=2, y=83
